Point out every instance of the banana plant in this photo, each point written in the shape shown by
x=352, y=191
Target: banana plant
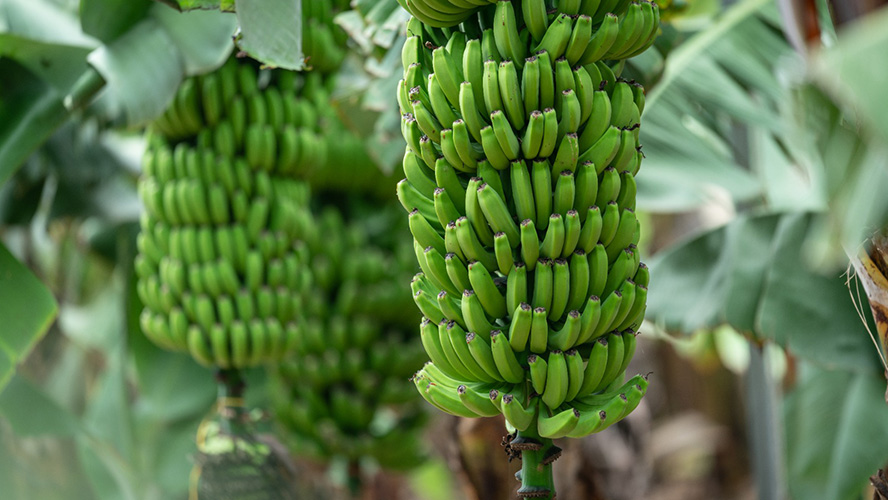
x=522, y=150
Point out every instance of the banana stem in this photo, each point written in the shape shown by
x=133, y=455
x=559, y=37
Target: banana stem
x=230, y=400
x=537, y=455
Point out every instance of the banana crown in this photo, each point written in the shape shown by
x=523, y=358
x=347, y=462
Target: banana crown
x=346, y=391
x=222, y=267
x=522, y=151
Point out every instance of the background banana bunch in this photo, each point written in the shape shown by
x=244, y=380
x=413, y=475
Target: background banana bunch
x=323, y=43
x=346, y=393
x=522, y=150
x=221, y=266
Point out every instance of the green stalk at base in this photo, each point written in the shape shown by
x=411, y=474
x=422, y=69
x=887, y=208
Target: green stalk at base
x=537, y=455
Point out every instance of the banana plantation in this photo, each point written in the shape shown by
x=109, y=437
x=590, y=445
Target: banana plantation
x=443, y=249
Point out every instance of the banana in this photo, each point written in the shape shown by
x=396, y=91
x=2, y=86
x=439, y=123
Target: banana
x=636, y=314
x=535, y=17
x=579, y=279
x=627, y=290
x=445, y=208
x=538, y=369
x=603, y=150
x=449, y=149
x=431, y=342
x=547, y=80
x=629, y=344
x=474, y=315
x=539, y=331
x=475, y=213
x=473, y=108
x=557, y=37
x=530, y=86
x=492, y=149
x=594, y=371
x=450, y=355
x=490, y=87
x=477, y=403
x=533, y=135
x=497, y=213
x=550, y=133
x=505, y=136
x=615, y=351
x=628, y=190
x=503, y=252
x=457, y=271
x=481, y=352
x=571, y=112
x=438, y=100
x=618, y=271
x=506, y=362
x=610, y=221
x=491, y=299
x=519, y=329
x=510, y=93
x=553, y=242
x=567, y=336
x=505, y=31
x=609, y=309
x=602, y=41
x=579, y=39
x=624, y=234
x=427, y=150
x=522, y=190
x=542, y=286
x=558, y=425
x=560, y=289
x=516, y=286
x=450, y=308
x=556, y=380
x=473, y=71
x=437, y=270
x=448, y=74
x=642, y=275
x=198, y=347
x=463, y=144
x=586, y=189
x=530, y=244
x=424, y=233
x=457, y=338
x=519, y=415
x=428, y=305
x=598, y=122
x=572, y=231
x=574, y=373
x=489, y=50
x=426, y=122
x=541, y=180
x=446, y=177
x=565, y=191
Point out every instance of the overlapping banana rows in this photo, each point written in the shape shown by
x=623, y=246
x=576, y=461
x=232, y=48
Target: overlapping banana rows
x=521, y=192
x=346, y=393
x=221, y=271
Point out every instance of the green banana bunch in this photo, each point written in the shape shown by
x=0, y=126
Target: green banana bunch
x=221, y=266
x=522, y=151
x=346, y=393
x=323, y=42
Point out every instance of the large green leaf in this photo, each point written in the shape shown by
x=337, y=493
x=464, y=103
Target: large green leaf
x=28, y=310
x=270, y=32
x=108, y=19
x=31, y=112
x=752, y=274
x=836, y=435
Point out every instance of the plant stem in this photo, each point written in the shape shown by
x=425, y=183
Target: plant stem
x=537, y=455
x=230, y=402
x=765, y=443
x=354, y=478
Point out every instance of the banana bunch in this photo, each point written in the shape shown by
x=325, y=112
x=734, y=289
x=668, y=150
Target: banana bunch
x=221, y=266
x=346, y=393
x=522, y=151
x=323, y=42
